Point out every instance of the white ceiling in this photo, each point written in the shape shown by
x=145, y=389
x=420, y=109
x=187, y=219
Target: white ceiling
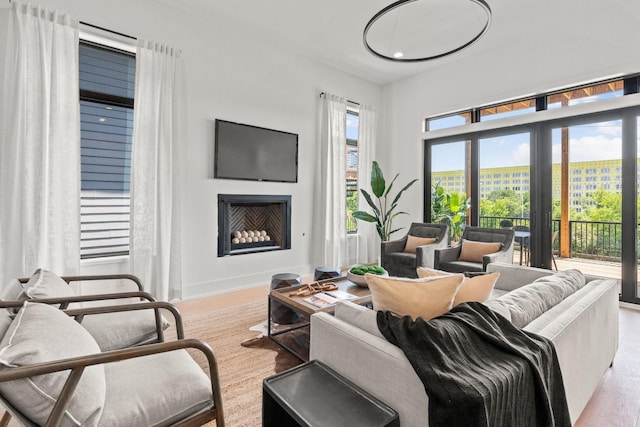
x=330, y=31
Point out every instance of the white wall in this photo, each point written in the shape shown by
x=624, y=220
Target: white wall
x=235, y=75
x=536, y=52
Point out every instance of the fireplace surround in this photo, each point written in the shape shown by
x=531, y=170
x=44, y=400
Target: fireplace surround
x=250, y=223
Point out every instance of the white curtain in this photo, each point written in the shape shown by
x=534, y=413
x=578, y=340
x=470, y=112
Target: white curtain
x=368, y=241
x=331, y=180
x=157, y=138
x=40, y=153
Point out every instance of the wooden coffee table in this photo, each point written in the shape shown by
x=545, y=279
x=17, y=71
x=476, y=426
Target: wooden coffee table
x=295, y=337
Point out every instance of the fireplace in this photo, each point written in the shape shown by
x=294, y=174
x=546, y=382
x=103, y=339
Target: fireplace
x=253, y=223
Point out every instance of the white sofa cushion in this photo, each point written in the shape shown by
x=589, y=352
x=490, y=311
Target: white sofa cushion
x=530, y=301
x=41, y=333
x=569, y=280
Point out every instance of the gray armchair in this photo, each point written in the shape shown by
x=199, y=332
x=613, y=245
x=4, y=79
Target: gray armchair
x=399, y=263
x=111, y=330
x=62, y=378
x=449, y=259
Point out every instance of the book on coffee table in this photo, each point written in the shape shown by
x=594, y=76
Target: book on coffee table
x=327, y=299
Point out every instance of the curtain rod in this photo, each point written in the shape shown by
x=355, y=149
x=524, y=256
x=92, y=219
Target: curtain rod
x=102, y=28
x=349, y=101
x=107, y=30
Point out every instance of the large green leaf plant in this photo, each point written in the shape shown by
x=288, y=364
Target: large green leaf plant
x=450, y=209
x=383, y=211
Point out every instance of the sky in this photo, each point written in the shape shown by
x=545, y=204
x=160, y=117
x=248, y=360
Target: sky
x=596, y=141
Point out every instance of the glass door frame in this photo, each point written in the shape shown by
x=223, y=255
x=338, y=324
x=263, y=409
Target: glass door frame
x=541, y=174
x=472, y=171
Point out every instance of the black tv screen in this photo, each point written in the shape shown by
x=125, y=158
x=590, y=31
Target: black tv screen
x=254, y=153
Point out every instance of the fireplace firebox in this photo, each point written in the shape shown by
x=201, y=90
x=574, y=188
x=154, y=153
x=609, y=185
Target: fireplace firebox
x=253, y=223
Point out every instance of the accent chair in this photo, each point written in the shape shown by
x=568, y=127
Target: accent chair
x=402, y=257
x=478, y=247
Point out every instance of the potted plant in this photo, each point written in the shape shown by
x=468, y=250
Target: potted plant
x=450, y=209
x=383, y=211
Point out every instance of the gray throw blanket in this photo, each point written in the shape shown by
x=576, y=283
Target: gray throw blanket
x=478, y=369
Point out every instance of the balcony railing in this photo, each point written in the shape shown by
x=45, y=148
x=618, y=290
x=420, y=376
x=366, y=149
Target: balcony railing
x=589, y=239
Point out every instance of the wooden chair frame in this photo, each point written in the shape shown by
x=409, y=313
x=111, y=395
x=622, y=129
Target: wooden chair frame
x=77, y=365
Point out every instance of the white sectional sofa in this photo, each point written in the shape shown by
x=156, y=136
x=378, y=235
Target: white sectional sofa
x=583, y=327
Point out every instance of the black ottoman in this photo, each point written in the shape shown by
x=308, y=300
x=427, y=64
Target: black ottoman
x=281, y=314
x=322, y=273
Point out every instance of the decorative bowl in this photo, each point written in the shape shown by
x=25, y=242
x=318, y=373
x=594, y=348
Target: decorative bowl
x=360, y=280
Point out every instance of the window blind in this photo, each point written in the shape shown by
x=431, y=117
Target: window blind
x=107, y=80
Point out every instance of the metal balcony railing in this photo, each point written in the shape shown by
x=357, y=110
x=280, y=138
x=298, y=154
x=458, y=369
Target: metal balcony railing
x=589, y=239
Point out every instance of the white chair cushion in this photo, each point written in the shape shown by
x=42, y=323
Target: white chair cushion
x=154, y=390
x=124, y=329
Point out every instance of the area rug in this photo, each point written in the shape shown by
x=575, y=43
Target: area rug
x=241, y=368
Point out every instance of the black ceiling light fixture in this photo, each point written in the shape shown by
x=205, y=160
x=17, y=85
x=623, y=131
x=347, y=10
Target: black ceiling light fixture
x=421, y=30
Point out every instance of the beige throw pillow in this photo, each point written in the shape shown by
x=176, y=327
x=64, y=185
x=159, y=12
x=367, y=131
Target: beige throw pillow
x=424, y=272
x=477, y=288
x=413, y=242
x=474, y=251
x=426, y=298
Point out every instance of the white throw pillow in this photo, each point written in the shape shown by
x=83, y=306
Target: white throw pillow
x=45, y=284
x=42, y=333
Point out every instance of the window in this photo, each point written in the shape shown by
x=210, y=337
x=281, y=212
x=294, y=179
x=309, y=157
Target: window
x=353, y=122
x=107, y=79
x=448, y=121
x=589, y=93
x=507, y=110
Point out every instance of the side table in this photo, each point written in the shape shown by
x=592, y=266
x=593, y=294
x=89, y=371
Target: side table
x=312, y=394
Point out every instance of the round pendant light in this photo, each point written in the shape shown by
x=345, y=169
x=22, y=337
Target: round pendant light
x=420, y=30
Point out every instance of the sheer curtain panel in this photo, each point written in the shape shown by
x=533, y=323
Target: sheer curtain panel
x=331, y=180
x=157, y=135
x=40, y=153
x=368, y=240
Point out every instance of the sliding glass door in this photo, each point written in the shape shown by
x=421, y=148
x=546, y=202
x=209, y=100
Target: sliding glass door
x=448, y=178
x=586, y=194
x=573, y=181
x=504, y=183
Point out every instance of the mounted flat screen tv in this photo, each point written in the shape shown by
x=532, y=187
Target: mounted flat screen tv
x=254, y=153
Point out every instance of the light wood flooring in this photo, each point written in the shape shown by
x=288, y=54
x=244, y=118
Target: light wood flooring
x=615, y=403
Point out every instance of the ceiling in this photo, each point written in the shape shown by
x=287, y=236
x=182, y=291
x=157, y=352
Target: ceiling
x=330, y=31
